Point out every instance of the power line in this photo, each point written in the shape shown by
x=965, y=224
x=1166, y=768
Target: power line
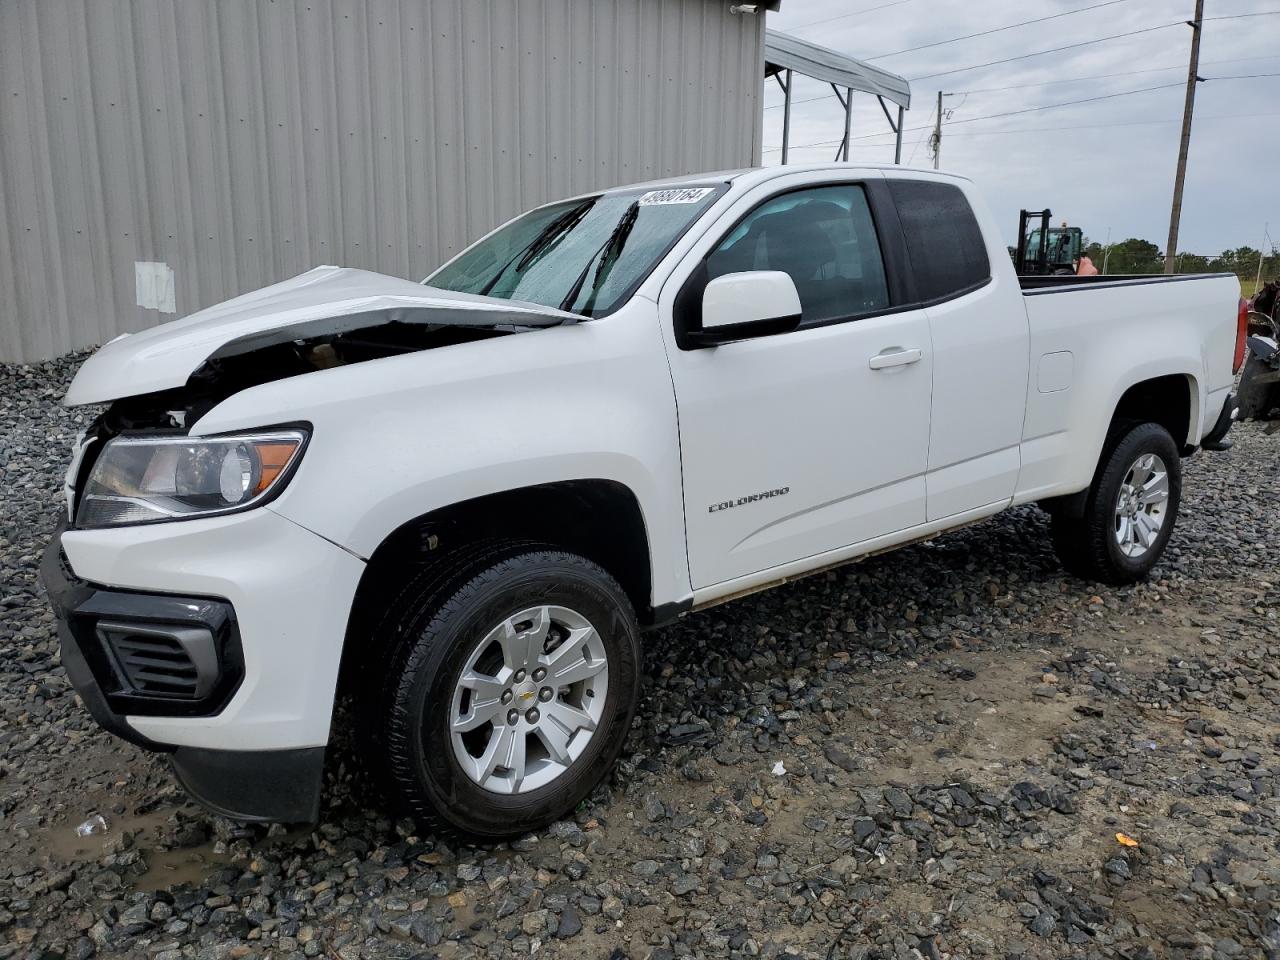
x=1054, y=83
x=1105, y=76
x=1065, y=103
x=845, y=16
x=1051, y=83
x=987, y=33
x=1011, y=113
x=1041, y=53
x=796, y=103
x=898, y=3
x=1087, y=43
x=1243, y=16
x=1247, y=76
x=1100, y=126
x=1071, y=102
x=1022, y=131
x=1014, y=113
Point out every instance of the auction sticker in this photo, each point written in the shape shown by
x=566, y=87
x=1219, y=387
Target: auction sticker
x=688, y=195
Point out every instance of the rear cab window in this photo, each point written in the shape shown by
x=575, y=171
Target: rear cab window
x=945, y=245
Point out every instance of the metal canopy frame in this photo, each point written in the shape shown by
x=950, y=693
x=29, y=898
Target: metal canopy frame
x=785, y=56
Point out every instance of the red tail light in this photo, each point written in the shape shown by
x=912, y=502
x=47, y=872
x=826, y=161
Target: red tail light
x=1242, y=333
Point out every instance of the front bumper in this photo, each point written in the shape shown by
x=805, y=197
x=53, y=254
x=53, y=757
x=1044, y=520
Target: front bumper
x=258, y=603
x=67, y=595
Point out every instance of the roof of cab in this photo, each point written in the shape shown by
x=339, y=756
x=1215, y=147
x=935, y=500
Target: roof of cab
x=763, y=174
x=749, y=176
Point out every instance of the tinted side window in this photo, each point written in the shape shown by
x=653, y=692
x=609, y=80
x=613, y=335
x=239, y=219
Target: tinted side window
x=948, y=252
x=824, y=239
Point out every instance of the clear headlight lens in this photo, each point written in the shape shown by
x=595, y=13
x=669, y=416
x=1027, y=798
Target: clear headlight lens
x=148, y=479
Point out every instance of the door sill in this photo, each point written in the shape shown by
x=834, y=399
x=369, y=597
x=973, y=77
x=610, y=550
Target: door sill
x=715, y=594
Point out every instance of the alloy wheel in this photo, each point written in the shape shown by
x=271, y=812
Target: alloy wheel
x=529, y=699
x=1141, y=505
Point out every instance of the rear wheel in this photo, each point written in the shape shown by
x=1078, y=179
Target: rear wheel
x=1130, y=511
x=509, y=699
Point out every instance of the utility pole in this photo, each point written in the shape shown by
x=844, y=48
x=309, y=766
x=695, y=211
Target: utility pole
x=786, y=114
x=937, y=134
x=1262, y=255
x=1188, y=108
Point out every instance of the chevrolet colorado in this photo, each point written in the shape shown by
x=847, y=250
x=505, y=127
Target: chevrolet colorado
x=460, y=501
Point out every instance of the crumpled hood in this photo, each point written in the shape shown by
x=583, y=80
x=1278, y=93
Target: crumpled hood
x=164, y=357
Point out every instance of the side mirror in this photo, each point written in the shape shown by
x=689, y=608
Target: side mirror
x=739, y=306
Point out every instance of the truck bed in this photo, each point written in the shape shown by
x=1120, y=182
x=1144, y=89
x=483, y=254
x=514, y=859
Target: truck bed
x=1091, y=335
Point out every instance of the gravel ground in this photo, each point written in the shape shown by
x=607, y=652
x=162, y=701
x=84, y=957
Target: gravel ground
x=934, y=753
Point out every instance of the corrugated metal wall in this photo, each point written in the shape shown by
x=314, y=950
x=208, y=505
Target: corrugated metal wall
x=242, y=142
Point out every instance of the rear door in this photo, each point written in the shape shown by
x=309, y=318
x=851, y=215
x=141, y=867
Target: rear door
x=807, y=442
x=978, y=326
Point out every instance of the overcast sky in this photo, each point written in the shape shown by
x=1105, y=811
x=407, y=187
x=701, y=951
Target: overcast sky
x=1114, y=168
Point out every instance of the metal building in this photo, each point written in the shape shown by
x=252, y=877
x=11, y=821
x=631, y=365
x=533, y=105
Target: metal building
x=157, y=157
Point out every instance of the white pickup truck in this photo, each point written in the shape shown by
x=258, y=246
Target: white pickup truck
x=460, y=501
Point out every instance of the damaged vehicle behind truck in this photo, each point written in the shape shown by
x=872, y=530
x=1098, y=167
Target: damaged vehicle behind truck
x=461, y=501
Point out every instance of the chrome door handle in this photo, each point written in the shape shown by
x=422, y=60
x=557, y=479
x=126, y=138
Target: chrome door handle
x=895, y=357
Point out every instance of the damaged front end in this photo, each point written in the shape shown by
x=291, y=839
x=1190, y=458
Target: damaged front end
x=327, y=317
x=184, y=637
x=163, y=380
x=306, y=348
x=351, y=338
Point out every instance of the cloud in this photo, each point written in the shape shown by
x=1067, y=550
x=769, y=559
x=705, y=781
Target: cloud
x=1106, y=165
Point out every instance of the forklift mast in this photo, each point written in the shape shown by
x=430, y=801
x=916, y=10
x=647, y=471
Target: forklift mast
x=1044, y=250
x=1040, y=265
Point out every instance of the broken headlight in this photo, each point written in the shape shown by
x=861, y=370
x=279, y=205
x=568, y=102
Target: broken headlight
x=149, y=479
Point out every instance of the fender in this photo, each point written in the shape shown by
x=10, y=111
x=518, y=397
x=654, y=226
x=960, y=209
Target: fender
x=402, y=436
x=1098, y=430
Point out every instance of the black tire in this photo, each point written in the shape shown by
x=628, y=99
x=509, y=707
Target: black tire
x=1255, y=400
x=434, y=634
x=1087, y=544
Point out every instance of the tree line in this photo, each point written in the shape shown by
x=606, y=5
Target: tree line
x=1142, y=256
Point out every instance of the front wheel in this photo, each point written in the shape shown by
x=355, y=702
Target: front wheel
x=1130, y=511
x=508, y=701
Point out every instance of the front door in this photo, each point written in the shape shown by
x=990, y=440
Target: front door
x=814, y=440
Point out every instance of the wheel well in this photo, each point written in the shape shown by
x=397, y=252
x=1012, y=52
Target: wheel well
x=598, y=519
x=1162, y=400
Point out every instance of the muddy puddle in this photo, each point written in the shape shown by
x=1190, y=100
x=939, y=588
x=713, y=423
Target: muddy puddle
x=149, y=835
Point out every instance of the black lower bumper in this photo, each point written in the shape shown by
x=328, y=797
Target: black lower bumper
x=67, y=595
x=192, y=667
x=1216, y=439
x=264, y=785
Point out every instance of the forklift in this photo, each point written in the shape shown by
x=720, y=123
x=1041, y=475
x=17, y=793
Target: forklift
x=1037, y=258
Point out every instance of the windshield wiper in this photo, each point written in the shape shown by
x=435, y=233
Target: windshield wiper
x=608, y=254
x=546, y=239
